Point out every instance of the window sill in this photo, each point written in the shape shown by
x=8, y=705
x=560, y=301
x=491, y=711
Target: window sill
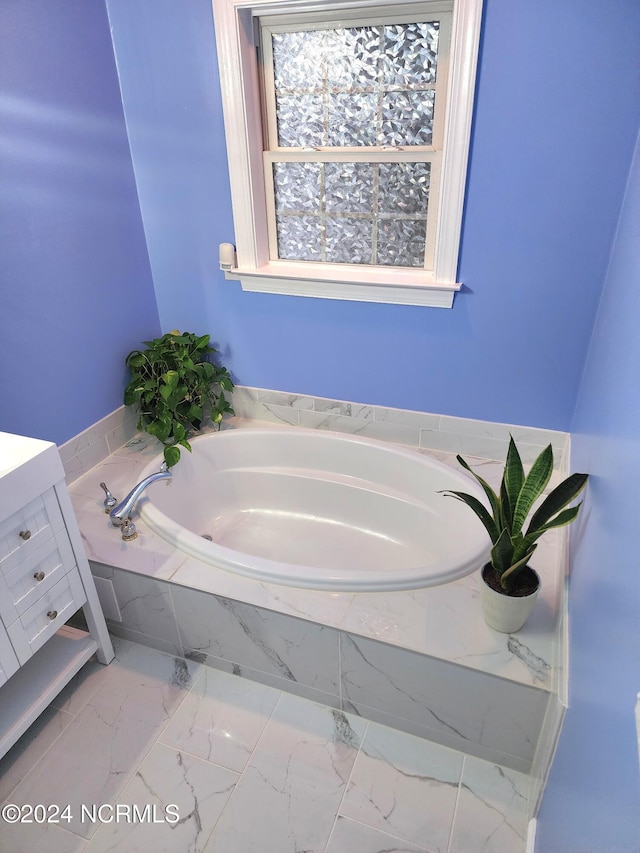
x=364, y=284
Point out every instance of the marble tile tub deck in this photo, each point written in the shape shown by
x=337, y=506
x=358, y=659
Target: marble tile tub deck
x=161, y=753
x=421, y=661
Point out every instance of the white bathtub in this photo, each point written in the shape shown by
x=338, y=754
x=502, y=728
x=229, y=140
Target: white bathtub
x=316, y=509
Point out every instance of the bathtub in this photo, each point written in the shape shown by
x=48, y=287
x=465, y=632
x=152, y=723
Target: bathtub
x=316, y=509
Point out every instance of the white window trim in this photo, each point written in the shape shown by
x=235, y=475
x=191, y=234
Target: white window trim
x=242, y=118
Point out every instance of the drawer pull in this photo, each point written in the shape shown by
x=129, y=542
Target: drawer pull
x=39, y=576
x=25, y=534
x=52, y=614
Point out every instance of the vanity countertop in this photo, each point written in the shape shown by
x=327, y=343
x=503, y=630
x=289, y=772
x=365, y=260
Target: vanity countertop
x=28, y=466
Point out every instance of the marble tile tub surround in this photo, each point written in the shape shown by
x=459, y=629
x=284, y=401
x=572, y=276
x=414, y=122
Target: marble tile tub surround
x=485, y=439
x=486, y=716
x=248, y=767
x=422, y=661
x=443, y=623
x=87, y=449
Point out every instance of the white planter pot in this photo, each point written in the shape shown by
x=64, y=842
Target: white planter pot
x=506, y=613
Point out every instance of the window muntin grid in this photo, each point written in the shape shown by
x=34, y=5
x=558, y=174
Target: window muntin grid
x=336, y=98
x=352, y=213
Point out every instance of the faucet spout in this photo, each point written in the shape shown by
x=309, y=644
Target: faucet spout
x=120, y=513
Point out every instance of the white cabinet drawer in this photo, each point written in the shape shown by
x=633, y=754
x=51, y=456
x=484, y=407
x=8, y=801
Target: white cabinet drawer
x=25, y=530
x=8, y=660
x=50, y=612
x=34, y=575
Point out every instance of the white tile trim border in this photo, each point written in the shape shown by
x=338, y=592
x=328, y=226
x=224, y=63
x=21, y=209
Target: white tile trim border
x=485, y=439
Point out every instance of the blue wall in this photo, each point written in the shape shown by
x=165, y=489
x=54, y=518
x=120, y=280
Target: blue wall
x=592, y=802
x=558, y=108
x=76, y=286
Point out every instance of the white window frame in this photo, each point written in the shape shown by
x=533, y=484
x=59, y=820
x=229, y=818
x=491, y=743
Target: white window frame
x=242, y=110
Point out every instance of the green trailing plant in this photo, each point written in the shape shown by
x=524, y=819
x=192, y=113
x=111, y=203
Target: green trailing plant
x=175, y=387
x=512, y=545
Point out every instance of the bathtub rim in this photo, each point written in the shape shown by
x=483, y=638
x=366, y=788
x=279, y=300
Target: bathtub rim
x=293, y=575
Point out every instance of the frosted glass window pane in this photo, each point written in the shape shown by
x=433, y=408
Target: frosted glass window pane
x=299, y=237
x=359, y=86
x=352, y=213
x=407, y=118
x=356, y=86
x=401, y=242
x=349, y=240
x=349, y=187
x=300, y=121
x=297, y=186
x=352, y=119
x=404, y=188
x=297, y=60
x=410, y=54
x=353, y=57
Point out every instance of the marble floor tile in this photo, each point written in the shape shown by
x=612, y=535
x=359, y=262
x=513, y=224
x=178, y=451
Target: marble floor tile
x=29, y=838
x=405, y=786
x=180, y=798
x=27, y=752
x=294, y=782
x=221, y=719
x=492, y=810
x=248, y=768
x=100, y=750
x=349, y=836
x=88, y=680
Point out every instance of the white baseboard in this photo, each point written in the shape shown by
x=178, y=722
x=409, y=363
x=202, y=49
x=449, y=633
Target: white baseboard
x=531, y=835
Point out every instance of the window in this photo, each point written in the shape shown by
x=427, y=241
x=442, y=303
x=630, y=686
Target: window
x=347, y=133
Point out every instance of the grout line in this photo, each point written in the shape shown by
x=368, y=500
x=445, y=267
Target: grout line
x=348, y=782
x=187, y=694
x=175, y=617
x=242, y=773
x=340, y=696
x=455, y=808
x=402, y=842
x=180, y=750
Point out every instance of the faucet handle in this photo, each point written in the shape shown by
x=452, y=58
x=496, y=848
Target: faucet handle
x=109, y=500
x=129, y=531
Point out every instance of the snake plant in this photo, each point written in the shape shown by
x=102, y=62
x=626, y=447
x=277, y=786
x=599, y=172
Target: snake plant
x=174, y=386
x=512, y=545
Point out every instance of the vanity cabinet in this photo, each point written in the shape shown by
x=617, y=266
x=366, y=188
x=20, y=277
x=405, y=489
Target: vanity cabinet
x=44, y=579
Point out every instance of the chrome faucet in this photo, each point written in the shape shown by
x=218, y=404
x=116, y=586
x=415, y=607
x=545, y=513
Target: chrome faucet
x=120, y=514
